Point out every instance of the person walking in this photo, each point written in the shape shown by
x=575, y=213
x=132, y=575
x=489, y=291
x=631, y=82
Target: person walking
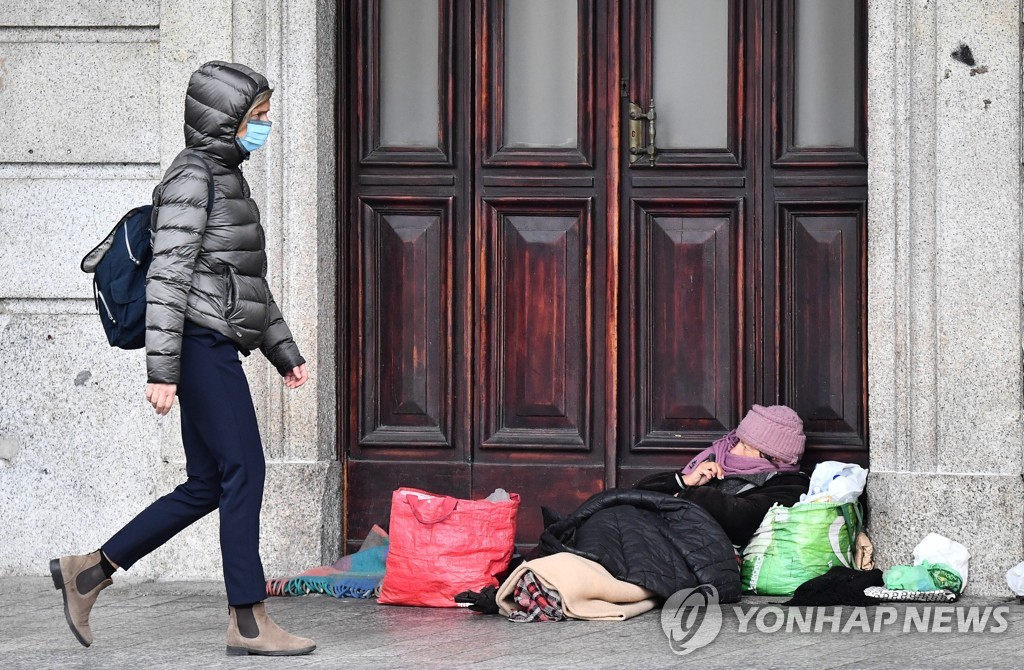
x=207, y=301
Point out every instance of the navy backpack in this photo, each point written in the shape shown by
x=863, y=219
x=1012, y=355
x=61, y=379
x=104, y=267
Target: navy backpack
x=119, y=265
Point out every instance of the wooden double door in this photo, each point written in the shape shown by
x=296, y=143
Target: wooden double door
x=580, y=238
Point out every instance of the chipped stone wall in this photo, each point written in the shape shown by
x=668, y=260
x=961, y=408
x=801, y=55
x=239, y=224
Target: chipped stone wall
x=91, y=105
x=944, y=275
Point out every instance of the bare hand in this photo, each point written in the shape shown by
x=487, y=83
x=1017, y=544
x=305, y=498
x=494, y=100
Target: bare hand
x=296, y=377
x=704, y=473
x=161, y=396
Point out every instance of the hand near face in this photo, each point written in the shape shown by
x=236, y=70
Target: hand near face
x=704, y=473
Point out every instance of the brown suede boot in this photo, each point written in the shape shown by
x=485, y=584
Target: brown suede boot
x=80, y=580
x=254, y=632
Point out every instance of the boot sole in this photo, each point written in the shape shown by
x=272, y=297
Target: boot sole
x=243, y=651
x=58, y=583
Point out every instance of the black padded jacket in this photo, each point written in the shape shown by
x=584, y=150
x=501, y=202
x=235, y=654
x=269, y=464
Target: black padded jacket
x=650, y=539
x=740, y=514
x=210, y=269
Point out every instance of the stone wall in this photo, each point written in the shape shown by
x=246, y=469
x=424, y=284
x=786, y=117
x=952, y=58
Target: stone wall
x=944, y=275
x=91, y=104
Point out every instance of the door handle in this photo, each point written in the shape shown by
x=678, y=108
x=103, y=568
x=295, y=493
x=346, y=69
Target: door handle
x=637, y=117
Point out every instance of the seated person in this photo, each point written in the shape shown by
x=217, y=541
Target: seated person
x=739, y=477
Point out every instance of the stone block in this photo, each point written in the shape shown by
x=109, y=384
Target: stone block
x=188, y=38
x=884, y=309
x=298, y=530
x=86, y=440
x=80, y=103
x=81, y=13
x=50, y=224
x=985, y=513
x=978, y=236
x=944, y=251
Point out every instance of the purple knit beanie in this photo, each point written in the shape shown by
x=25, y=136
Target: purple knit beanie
x=776, y=431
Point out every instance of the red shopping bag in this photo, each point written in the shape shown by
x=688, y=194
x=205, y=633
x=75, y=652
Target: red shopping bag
x=441, y=546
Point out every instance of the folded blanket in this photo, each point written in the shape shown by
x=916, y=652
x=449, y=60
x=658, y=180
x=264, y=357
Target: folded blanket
x=535, y=602
x=586, y=589
x=357, y=575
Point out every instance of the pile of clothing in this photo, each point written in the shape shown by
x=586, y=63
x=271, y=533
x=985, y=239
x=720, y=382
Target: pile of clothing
x=357, y=575
x=617, y=556
x=938, y=575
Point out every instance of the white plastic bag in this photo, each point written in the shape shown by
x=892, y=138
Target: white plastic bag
x=1015, y=579
x=836, y=482
x=935, y=548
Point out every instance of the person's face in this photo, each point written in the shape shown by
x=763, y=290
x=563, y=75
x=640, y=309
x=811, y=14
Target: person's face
x=260, y=112
x=742, y=449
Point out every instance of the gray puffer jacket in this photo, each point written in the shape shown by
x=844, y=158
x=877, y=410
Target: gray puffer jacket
x=211, y=269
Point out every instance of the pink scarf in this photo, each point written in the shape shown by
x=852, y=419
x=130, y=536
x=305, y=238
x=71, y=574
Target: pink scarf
x=737, y=465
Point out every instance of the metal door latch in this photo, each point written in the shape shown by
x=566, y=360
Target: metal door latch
x=637, y=149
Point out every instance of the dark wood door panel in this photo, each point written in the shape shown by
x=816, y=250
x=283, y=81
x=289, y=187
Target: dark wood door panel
x=820, y=281
x=536, y=341
x=685, y=354
x=406, y=275
x=527, y=309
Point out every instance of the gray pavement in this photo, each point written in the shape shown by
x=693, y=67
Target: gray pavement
x=181, y=625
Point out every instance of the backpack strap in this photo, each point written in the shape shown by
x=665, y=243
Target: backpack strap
x=209, y=172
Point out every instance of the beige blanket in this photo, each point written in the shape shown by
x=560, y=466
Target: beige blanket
x=588, y=590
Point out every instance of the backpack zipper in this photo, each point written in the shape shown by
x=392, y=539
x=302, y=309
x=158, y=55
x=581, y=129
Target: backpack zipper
x=128, y=245
x=110, y=315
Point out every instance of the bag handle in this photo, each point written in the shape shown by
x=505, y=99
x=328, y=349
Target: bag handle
x=853, y=517
x=429, y=511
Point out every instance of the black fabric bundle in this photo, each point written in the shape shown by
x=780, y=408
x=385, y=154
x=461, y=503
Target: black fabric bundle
x=838, y=586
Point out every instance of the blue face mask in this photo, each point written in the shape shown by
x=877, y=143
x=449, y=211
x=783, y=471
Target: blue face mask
x=255, y=135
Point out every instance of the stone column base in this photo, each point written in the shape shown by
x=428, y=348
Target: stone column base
x=983, y=512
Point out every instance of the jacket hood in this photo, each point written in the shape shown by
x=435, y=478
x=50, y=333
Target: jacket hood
x=219, y=95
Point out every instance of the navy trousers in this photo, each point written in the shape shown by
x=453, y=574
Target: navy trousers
x=225, y=466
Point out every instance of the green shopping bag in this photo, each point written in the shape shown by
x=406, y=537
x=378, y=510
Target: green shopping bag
x=795, y=544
